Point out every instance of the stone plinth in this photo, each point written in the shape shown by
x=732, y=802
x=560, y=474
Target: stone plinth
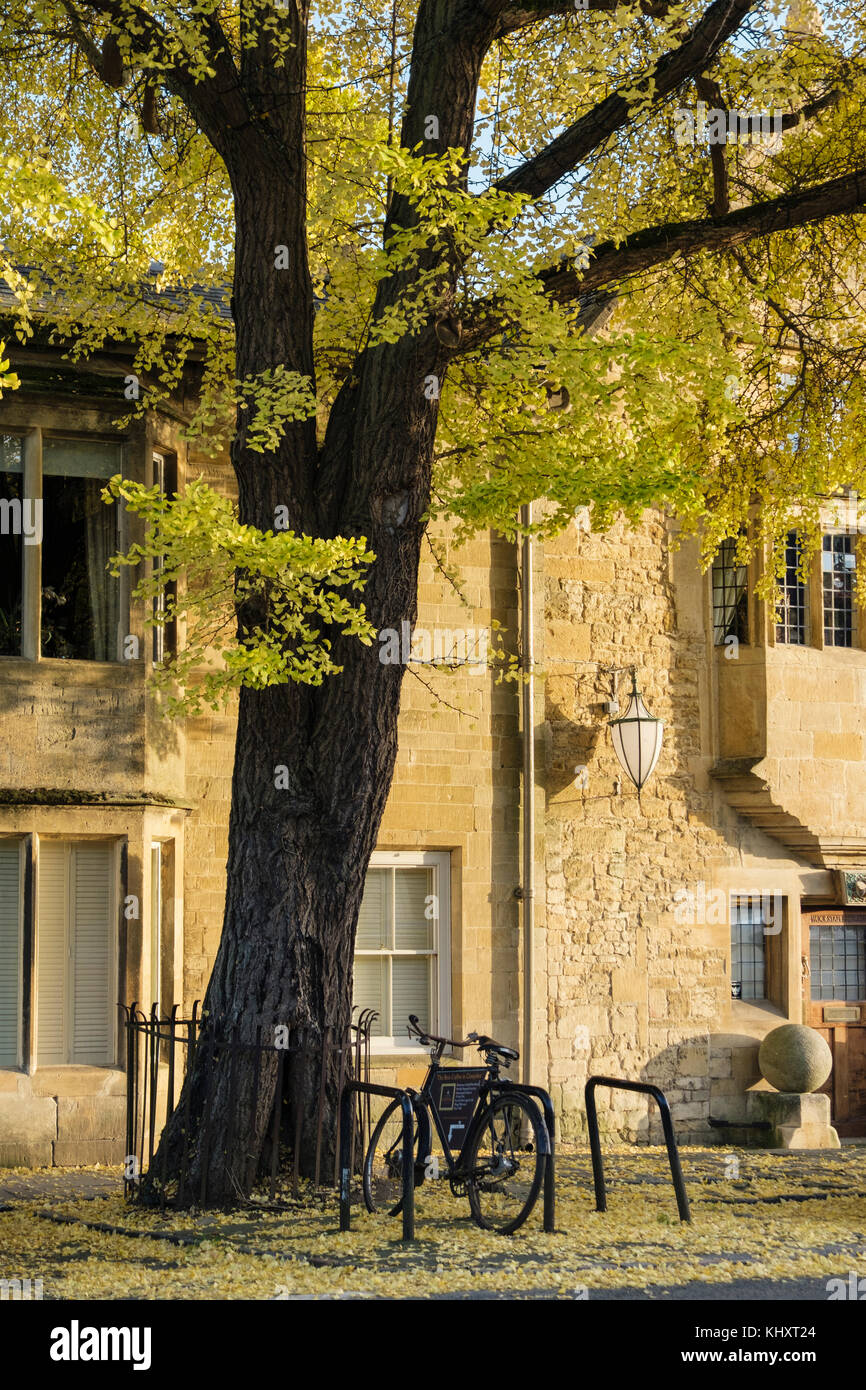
x=799, y=1120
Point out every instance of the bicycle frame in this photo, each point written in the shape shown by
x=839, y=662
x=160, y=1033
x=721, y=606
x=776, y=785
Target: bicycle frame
x=421, y=1103
x=425, y=1106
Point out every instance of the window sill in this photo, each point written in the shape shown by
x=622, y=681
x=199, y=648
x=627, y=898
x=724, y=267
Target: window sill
x=88, y=672
x=756, y=1010
x=68, y=1080
x=394, y=1052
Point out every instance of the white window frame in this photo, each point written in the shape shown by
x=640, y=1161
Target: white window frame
x=440, y=862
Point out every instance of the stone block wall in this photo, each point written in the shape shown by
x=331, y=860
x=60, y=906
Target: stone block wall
x=637, y=987
x=68, y=1117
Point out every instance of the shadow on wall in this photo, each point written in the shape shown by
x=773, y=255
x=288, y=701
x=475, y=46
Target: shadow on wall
x=570, y=748
x=703, y=1076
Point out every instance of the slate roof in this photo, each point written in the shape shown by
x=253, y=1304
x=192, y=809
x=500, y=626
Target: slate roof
x=217, y=297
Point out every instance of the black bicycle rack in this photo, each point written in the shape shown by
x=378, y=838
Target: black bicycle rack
x=667, y=1125
x=369, y=1088
x=550, y=1165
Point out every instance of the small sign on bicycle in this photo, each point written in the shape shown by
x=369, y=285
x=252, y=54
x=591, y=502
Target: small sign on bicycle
x=456, y=1094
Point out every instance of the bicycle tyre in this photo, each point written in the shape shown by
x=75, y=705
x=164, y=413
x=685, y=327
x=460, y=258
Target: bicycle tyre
x=382, y=1180
x=498, y=1200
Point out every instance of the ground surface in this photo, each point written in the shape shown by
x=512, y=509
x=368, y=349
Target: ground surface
x=765, y=1226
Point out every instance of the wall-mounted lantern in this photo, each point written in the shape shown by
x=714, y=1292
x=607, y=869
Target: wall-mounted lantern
x=637, y=738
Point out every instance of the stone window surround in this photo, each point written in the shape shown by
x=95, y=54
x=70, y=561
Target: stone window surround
x=782, y=985
x=132, y=835
x=760, y=618
x=31, y=585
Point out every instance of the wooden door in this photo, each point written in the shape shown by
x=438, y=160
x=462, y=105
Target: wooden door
x=834, y=1002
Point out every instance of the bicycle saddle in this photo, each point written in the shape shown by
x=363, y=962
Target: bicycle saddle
x=490, y=1045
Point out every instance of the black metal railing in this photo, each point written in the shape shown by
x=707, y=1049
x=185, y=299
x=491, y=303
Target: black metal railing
x=161, y=1049
x=661, y=1100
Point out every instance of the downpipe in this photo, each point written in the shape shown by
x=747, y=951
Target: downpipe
x=527, y=695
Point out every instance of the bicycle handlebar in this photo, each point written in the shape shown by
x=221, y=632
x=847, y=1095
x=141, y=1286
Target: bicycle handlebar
x=416, y=1031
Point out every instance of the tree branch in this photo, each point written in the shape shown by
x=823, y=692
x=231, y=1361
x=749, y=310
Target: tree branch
x=521, y=16
x=569, y=149
x=791, y=119
x=613, y=263
x=212, y=101
x=711, y=92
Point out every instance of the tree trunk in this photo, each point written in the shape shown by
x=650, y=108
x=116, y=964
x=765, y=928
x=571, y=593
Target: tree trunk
x=298, y=856
x=298, y=853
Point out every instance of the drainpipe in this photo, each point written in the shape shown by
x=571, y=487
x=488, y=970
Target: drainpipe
x=527, y=692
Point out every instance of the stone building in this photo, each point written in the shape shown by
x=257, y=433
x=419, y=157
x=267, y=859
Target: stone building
x=670, y=932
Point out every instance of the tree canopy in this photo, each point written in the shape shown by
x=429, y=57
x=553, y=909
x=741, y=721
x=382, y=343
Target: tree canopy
x=686, y=181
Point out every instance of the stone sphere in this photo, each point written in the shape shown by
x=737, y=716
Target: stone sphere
x=795, y=1058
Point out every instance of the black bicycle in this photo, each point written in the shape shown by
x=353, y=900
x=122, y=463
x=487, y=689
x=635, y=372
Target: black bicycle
x=496, y=1130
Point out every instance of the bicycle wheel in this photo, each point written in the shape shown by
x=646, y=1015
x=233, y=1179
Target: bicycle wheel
x=503, y=1174
x=383, y=1161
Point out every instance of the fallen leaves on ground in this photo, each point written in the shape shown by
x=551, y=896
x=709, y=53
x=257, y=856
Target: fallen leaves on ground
x=639, y=1242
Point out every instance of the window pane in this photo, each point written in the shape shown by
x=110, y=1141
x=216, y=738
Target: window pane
x=396, y=968
x=11, y=542
x=11, y=454
x=838, y=961
x=838, y=567
x=410, y=992
x=413, y=929
x=747, y=947
x=369, y=991
x=375, y=910
x=80, y=600
x=791, y=609
x=730, y=599
x=164, y=634
x=80, y=458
